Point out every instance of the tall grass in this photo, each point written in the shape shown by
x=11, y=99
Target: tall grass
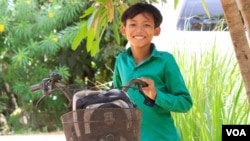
x=218, y=93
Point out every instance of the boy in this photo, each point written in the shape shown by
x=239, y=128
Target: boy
x=166, y=87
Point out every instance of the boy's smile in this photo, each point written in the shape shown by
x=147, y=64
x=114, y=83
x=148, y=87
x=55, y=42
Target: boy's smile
x=139, y=37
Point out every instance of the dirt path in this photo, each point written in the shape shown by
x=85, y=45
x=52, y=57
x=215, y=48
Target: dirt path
x=55, y=136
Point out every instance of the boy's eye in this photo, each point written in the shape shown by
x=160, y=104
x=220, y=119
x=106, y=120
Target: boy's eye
x=132, y=24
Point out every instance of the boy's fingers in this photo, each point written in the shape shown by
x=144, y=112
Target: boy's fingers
x=148, y=81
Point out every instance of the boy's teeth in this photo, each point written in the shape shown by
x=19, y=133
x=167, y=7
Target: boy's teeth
x=139, y=37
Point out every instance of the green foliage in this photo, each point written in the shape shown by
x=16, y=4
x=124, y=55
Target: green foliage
x=35, y=40
x=101, y=15
x=217, y=90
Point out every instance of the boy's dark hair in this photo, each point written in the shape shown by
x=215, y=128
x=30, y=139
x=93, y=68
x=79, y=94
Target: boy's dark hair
x=139, y=8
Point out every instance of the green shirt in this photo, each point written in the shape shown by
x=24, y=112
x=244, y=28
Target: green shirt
x=172, y=93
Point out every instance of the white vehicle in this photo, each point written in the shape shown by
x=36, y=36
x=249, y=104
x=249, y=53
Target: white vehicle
x=188, y=27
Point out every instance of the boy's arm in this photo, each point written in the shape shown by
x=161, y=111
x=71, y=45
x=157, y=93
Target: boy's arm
x=116, y=77
x=178, y=98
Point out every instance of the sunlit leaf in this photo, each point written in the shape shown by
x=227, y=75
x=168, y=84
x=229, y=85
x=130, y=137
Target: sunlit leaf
x=101, y=1
x=96, y=19
x=90, y=39
x=110, y=9
x=176, y=3
x=116, y=33
x=94, y=48
x=87, y=12
x=204, y=5
x=123, y=6
x=96, y=24
x=80, y=36
x=91, y=19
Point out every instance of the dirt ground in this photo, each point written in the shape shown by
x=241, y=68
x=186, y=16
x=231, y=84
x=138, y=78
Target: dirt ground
x=54, y=136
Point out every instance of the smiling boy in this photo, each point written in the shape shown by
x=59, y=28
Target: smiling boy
x=166, y=86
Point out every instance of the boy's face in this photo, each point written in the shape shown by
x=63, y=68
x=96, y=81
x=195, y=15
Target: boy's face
x=140, y=30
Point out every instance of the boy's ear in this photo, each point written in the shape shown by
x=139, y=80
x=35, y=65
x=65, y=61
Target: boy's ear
x=157, y=31
x=123, y=30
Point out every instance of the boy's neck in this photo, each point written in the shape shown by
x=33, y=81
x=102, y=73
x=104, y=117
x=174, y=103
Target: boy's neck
x=141, y=54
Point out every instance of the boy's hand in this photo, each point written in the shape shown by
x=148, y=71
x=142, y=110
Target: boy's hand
x=149, y=91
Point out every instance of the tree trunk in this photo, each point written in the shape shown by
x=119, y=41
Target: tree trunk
x=244, y=6
x=239, y=38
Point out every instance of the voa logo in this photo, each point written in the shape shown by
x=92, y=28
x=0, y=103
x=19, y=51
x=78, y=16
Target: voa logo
x=236, y=132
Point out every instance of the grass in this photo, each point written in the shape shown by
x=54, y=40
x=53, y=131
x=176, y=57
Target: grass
x=218, y=93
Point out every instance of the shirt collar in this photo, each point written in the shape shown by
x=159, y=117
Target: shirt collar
x=154, y=52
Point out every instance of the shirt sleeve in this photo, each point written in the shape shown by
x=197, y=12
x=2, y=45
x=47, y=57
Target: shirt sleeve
x=177, y=98
x=116, y=77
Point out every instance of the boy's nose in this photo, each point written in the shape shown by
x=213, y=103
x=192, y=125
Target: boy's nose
x=139, y=28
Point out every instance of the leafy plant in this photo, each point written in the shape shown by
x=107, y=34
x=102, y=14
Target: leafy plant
x=35, y=40
x=217, y=90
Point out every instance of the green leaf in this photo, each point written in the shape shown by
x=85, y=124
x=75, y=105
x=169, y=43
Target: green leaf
x=176, y=3
x=97, y=18
x=96, y=24
x=110, y=10
x=204, y=5
x=122, y=7
x=116, y=33
x=21, y=57
x=90, y=39
x=87, y=12
x=95, y=48
x=80, y=36
x=101, y=1
x=91, y=19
